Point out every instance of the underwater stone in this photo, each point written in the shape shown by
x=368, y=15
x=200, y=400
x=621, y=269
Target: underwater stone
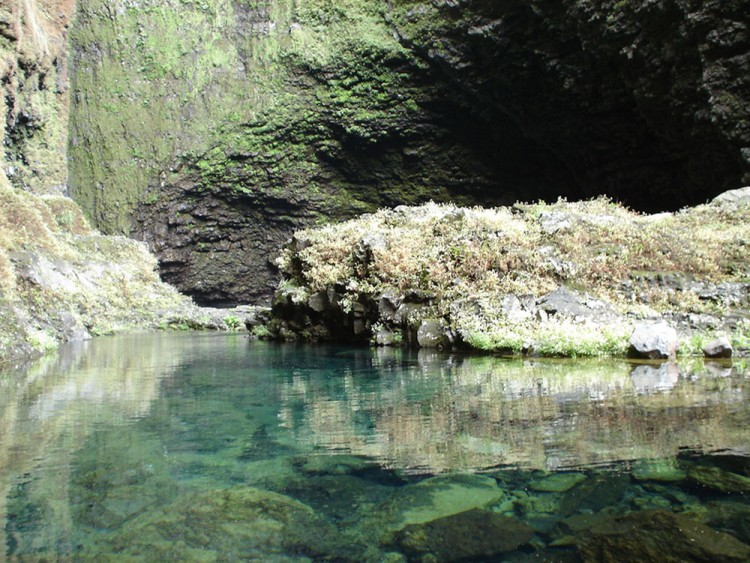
x=595, y=494
x=434, y=498
x=718, y=479
x=467, y=535
x=233, y=524
x=665, y=470
x=558, y=483
x=730, y=516
x=658, y=535
x=329, y=464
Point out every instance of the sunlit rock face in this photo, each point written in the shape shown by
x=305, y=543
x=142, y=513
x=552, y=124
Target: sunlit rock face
x=232, y=123
x=34, y=88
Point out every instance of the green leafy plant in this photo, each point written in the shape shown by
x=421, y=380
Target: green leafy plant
x=233, y=323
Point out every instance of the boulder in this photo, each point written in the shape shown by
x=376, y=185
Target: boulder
x=318, y=302
x=365, y=250
x=658, y=535
x=733, y=199
x=517, y=308
x=464, y=536
x=567, y=303
x=718, y=348
x=385, y=337
x=388, y=304
x=434, y=333
x=653, y=341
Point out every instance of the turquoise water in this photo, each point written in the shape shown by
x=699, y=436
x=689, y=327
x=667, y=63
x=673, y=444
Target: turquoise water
x=213, y=447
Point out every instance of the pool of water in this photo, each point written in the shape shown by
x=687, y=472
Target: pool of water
x=213, y=447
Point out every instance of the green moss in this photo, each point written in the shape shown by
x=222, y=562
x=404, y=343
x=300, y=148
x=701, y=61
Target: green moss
x=255, y=97
x=152, y=84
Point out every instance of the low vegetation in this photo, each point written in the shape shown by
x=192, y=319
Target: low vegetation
x=60, y=280
x=689, y=267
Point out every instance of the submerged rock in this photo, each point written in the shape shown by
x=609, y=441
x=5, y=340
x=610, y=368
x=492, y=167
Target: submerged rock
x=596, y=493
x=434, y=498
x=730, y=516
x=666, y=470
x=657, y=535
x=719, y=479
x=467, y=535
x=240, y=523
x=558, y=483
x=653, y=341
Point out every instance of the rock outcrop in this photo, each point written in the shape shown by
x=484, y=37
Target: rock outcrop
x=34, y=85
x=60, y=280
x=604, y=280
x=230, y=125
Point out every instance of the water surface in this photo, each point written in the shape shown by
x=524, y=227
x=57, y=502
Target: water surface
x=215, y=447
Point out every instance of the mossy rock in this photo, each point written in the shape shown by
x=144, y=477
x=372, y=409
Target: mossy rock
x=717, y=479
x=240, y=523
x=657, y=535
x=434, y=498
x=467, y=535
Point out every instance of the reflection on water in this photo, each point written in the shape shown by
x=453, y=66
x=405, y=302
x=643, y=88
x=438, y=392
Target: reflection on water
x=434, y=413
x=103, y=446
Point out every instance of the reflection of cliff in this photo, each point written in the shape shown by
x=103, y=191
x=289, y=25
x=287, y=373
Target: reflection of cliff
x=483, y=412
x=46, y=415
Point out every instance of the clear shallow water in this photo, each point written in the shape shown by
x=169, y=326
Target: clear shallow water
x=214, y=447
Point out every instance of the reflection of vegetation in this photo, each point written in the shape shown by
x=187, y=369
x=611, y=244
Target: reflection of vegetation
x=52, y=408
x=480, y=412
x=99, y=445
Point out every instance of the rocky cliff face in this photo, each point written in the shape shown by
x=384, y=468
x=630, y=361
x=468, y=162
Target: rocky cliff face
x=644, y=101
x=34, y=83
x=59, y=279
x=213, y=129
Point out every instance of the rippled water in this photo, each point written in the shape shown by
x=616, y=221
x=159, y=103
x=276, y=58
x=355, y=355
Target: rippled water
x=214, y=447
